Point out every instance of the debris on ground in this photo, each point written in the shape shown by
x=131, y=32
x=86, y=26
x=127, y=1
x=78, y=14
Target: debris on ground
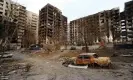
x=74, y=66
x=126, y=55
x=8, y=69
x=48, y=66
x=115, y=55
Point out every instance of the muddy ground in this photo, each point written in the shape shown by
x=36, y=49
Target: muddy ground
x=49, y=67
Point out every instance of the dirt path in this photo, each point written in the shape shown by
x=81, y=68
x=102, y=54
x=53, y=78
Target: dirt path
x=51, y=69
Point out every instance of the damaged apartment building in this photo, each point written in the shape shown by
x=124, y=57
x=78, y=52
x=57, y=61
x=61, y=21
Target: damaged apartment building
x=63, y=33
x=13, y=16
x=5, y=20
x=26, y=26
x=92, y=29
x=52, y=26
x=31, y=31
x=4, y=10
x=19, y=14
x=126, y=22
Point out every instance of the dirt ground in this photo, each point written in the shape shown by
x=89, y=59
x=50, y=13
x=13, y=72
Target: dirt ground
x=49, y=67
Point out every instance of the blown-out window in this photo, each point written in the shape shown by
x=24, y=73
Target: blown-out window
x=1, y=0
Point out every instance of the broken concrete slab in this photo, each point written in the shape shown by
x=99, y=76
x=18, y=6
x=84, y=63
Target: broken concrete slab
x=126, y=55
x=81, y=67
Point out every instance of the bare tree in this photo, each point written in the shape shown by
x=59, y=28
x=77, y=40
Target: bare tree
x=89, y=31
x=83, y=33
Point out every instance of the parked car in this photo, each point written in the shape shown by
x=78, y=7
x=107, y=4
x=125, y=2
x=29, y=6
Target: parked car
x=35, y=47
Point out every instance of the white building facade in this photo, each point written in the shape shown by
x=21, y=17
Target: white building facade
x=32, y=23
x=5, y=9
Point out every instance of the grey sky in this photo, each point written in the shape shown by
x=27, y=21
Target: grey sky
x=74, y=8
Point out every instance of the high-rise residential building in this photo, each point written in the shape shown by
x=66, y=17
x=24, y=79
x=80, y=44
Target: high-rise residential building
x=32, y=25
x=115, y=24
x=105, y=25
x=84, y=29
x=19, y=14
x=123, y=26
x=51, y=24
x=94, y=28
x=16, y=20
x=5, y=9
x=64, y=30
x=126, y=23
x=127, y=29
x=6, y=22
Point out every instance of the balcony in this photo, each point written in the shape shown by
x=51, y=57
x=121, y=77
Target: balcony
x=129, y=30
x=1, y=1
x=21, y=30
x=123, y=27
x=20, y=35
x=123, y=24
x=129, y=26
x=19, y=40
x=123, y=20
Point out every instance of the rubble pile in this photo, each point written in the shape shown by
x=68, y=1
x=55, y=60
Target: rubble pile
x=8, y=70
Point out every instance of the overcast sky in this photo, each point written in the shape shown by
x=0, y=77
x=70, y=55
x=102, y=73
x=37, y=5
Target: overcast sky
x=74, y=8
